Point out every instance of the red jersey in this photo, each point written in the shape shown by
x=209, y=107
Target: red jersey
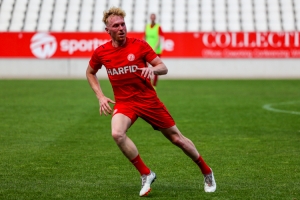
x=121, y=64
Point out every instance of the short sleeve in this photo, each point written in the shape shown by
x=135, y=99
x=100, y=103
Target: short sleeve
x=147, y=52
x=95, y=61
x=160, y=32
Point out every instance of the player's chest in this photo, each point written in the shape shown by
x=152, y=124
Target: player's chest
x=122, y=57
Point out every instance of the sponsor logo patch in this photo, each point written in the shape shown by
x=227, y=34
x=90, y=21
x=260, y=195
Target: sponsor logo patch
x=131, y=57
x=43, y=45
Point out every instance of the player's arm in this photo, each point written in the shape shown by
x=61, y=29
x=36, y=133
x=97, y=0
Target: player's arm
x=159, y=43
x=161, y=39
x=95, y=85
x=158, y=68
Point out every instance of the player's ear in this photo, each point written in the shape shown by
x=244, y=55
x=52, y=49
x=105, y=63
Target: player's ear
x=107, y=31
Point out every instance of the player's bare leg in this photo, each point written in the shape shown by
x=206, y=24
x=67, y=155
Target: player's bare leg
x=188, y=147
x=120, y=124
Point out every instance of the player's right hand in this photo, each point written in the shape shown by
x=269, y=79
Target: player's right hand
x=147, y=72
x=104, y=106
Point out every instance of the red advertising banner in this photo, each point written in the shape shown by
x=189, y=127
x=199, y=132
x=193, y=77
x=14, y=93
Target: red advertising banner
x=176, y=45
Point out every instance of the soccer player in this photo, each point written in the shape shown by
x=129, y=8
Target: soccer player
x=125, y=60
x=154, y=37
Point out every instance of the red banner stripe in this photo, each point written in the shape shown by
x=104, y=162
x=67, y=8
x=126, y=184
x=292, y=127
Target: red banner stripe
x=185, y=45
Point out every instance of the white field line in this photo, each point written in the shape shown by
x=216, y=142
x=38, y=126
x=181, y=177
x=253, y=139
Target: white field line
x=270, y=108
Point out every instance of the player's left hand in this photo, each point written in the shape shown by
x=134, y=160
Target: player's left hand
x=147, y=72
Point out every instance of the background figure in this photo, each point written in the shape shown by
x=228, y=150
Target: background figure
x=154, y=37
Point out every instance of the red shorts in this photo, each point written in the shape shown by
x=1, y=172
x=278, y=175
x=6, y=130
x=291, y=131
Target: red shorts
x=156, y=114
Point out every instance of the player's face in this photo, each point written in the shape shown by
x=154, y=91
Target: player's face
x=152, y=17
x=116, y=28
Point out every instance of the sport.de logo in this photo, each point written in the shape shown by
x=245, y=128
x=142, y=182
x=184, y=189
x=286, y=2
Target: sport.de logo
x=43, y=45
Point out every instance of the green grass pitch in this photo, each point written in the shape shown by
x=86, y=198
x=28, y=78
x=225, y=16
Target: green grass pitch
x=54, y=144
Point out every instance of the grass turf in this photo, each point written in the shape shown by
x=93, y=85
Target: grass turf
x=54, y=144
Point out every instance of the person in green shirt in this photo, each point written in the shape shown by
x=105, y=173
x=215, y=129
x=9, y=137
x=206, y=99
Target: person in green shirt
x=154, y=36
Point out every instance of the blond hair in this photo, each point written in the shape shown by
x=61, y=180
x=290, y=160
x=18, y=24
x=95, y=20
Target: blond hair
x=113, y=11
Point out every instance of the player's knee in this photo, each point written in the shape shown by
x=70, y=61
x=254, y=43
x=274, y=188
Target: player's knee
x=176, y=140
x=118, y=136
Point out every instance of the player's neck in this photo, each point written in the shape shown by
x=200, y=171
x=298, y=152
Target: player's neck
x=116, y=43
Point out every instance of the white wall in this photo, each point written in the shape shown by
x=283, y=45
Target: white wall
x=178, y=68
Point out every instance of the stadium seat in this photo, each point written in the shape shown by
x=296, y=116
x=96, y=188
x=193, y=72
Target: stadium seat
x=97, y=24
x=233, y=15
x=193, y=16
x=234, y=21
x=288, y=18
x=44, y=21
x=273, y=16
x=247, y=17
x=220, y=16
x=139, y=16
x=72, y=16
x=206, y=16
x=85, y=17
x=18, y=15
x=180, y=16
x=193, y=23
x=167, y=15
x=128, y=8
x=260, y=15
x=59, y=15
x=115, y=3
x=5, y=14
x=167, y=21
x=153, y=7
x=248, y=25
x=32, y=15
x=297, y=11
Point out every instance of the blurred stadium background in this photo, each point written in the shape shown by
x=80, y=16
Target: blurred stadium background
x=53, y=145
x=272, y=26
x=173, y=15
